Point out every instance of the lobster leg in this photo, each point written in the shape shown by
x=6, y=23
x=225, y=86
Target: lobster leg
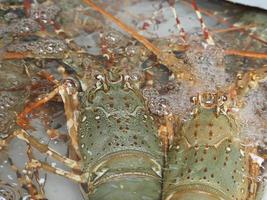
x=70, y=99
x=206, y=34
x=27, y=7
x=22, y=117
x=69, y=96
x=36, y=164
x=254, y=172
x=35, y=174
x=178, y=23
x=166, y=132
x=26, y=182
x=5, y=142
x=46, y=149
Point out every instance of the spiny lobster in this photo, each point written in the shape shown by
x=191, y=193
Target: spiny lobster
x=208, y=159
x=104, y=168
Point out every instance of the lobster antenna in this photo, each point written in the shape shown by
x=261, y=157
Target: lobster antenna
x=178, y=23
x=207, y=36
x=27, y=7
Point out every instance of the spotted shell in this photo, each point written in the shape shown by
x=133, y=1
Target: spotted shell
x=208, y=160
x=119, y=144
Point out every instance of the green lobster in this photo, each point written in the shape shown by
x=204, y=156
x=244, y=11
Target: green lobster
x=114, y=136
x=118, y=142
x=208, y=159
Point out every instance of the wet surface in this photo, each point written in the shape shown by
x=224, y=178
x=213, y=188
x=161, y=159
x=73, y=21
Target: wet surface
x=35, y=37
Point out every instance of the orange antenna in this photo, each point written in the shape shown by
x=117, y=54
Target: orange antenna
x=126, y=28
x=168, y=59
x=27, y=7
x=248, y=54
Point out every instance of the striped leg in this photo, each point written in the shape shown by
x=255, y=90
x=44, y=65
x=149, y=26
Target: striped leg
x=35, y=174
x=69, y=94
x=43, y=148
x=26, y=182
x=36, y=164
x=178, y=23
x=22, y=117
x=207, y=36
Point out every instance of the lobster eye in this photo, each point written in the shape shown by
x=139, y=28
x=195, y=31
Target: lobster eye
x=99, y=77
x=73, y=83
x=193, y=99
x=253, y=77
x=224, y=97
x=239, y=76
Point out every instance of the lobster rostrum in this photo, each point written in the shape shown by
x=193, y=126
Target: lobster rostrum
x=208, y=158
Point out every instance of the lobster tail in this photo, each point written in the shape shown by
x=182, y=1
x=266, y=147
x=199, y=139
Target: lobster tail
x=131, y=174
x=133, y=189
x=119, y=144
x=193, y=194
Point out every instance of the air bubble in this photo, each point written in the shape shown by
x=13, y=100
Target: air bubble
x=131, y=50
x=159, y=106
x=45, y=13
x=114, y=39
x=10, y=16
x=21, y=27
x=150, y=93
x=41, y=47
x=84, y=119
x=228, y=149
